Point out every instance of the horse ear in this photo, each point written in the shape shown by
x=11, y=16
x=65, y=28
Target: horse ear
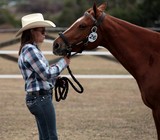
x=95, y=9
x=103, y=6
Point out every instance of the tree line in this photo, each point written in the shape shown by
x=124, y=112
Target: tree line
x=145, y=13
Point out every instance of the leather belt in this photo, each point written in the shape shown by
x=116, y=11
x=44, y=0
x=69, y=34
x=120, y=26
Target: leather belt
x=41, y=92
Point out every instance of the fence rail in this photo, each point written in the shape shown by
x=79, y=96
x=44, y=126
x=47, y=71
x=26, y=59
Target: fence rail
x=50, y=53
x=58, y=29
x=18, y=76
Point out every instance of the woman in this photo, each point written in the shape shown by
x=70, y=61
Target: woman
x=38, y=75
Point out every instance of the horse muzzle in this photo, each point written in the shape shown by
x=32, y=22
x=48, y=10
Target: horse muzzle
x=60, y=49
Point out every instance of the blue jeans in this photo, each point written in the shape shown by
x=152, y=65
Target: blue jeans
x=43, y=110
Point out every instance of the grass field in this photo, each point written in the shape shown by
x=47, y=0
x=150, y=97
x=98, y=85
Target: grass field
x=109, y=109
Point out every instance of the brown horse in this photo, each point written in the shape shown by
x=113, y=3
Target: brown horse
x=136, y=48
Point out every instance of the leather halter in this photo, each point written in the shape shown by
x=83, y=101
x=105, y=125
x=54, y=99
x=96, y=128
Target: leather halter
x=84, y=41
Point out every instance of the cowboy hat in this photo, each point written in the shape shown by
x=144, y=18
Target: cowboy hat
x=33, y=21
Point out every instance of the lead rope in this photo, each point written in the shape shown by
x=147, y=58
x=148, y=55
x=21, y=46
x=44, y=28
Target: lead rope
x=62, y=86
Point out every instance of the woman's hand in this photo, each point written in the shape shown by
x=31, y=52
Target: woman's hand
x=67, y=60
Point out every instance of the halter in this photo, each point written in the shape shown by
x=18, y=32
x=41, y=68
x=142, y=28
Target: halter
x=62, y=89
x=90, y=38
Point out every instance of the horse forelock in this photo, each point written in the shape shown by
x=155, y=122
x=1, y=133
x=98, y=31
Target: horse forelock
x=97, y=20
x=91, y=11
x=90, y=16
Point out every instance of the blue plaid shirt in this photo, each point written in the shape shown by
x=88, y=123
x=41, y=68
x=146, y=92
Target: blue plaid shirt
x=36, y=71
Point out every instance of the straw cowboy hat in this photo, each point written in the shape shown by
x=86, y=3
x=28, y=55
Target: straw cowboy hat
x=33, y=21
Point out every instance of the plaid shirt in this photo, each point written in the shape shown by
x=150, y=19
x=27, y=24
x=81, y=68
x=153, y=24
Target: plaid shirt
x=35, y=69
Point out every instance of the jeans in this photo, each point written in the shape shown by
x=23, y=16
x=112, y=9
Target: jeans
x=43, y=110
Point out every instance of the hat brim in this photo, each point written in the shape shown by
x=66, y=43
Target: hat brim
x=45, y=23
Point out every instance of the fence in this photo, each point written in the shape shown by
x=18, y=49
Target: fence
x=6, y=54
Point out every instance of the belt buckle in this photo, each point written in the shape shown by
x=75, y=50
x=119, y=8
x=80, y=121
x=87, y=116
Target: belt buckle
x=29, y=93
x=43, y=92
x=36, y=93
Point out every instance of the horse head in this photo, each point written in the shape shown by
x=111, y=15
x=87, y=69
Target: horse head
x=83, y=34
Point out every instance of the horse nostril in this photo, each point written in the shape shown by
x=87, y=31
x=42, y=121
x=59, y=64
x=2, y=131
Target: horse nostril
x=56, y=46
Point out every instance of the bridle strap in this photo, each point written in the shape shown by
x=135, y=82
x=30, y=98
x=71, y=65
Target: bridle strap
x=64, y=38
x=92, y=17
x=98, y=21
x=61, y=86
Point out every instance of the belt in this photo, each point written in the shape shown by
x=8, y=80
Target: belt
x=41, y=92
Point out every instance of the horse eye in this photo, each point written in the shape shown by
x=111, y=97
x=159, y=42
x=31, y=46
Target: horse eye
x=82, y=26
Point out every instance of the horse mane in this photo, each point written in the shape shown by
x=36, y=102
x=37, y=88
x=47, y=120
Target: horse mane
x=132, y=26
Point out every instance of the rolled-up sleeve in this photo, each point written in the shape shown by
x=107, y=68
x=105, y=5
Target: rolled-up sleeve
x=61, y=64
x=40, y=65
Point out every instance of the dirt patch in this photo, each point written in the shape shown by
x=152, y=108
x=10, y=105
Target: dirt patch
x=109, y=109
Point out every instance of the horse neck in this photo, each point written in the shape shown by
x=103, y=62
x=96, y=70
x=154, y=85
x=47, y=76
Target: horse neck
x=129, y=44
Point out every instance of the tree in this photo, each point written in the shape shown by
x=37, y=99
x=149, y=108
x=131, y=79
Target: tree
x=65, y=12
x=150, y=13
x=141, y=12
x=71, y=11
